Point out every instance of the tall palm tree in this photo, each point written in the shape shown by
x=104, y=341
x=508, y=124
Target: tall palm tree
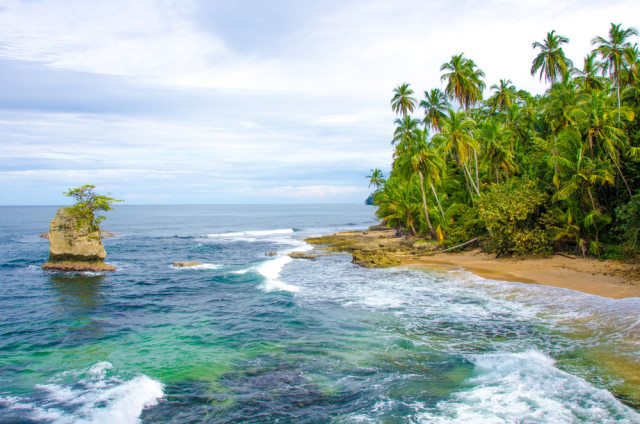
x=464, y=80
x=402, y=102
x=551, y=61
x=435, y=104
x=455, y=139
x=420, y=159
x=612, y=51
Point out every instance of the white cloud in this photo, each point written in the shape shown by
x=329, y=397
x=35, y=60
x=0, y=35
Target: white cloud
x=297, y=115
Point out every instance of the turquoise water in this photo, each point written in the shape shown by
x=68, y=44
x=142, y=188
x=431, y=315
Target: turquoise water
x=251, y=338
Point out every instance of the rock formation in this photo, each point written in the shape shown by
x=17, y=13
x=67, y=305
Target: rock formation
x=73, y=246
x=186, y=264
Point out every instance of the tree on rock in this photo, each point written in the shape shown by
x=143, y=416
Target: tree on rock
x=87, y=204
x=74, y=234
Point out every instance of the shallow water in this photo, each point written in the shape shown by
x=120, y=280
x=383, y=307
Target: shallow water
x=250, y=338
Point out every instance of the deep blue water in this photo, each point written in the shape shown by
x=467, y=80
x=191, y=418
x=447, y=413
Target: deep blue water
x=252, y=338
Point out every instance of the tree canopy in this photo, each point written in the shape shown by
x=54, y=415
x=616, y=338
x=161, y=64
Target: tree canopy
x=559, y=170
x=87, y=203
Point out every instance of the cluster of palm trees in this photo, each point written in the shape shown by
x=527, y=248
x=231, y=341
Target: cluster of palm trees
x=579, y=143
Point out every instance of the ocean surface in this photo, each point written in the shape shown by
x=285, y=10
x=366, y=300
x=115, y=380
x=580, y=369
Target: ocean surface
x=249, y=338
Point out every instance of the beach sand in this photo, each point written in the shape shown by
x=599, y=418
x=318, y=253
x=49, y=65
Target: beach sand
x=606, y=278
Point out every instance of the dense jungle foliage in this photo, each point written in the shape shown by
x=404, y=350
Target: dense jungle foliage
x=528, y=174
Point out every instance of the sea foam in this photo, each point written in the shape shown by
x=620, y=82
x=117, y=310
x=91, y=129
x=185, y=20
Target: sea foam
x=527, y=387
x=96, y=395
x=271, y=270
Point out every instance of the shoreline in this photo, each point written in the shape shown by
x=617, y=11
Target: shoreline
x=606, y=278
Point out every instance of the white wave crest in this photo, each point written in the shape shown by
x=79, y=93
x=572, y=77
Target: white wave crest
x=527, y=387
x=250, y=235
x=271, y=270
x=198, y=267
x=98, y=396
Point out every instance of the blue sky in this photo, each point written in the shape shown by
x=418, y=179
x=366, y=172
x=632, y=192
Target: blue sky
x=248, y=101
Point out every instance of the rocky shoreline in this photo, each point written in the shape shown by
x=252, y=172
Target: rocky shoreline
x=379, y=247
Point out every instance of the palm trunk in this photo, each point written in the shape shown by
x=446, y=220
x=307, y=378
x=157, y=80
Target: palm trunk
x=424, y=204
x=468, y=173
x=593, y=205
x=444, y=220
x=620, y=171
x=475, y=159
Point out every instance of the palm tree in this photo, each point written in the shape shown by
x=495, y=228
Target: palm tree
x=551, y=61
x=435, y=104
x=402, y=102
x=504, y=96
x=588, y=78
x=397, y=203
x=577, y=174
x=404, y=132
x=464, y=80
x=601, y=131
x=376, y=178
x=612, y=51
x=420, y=159
x=455, y=138
x=497, y=156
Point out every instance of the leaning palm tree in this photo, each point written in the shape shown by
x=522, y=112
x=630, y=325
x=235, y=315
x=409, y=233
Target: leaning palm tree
x=402, y=102
x=612, y=51
x=551, y=61
x=435, y=104
x=464, y=80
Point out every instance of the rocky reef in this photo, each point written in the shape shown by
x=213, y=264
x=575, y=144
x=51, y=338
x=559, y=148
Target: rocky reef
x=374, y=259
x=378, y=247
x=74, y=245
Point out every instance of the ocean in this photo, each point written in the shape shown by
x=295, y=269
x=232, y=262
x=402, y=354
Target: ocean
x=249, y=338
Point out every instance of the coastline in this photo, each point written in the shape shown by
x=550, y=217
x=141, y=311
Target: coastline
x=606, y=278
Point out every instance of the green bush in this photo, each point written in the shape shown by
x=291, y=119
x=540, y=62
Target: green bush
x=511, y=215
x=628, y=227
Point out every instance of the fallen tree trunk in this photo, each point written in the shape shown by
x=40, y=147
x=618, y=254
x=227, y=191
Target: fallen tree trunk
x=452, y=248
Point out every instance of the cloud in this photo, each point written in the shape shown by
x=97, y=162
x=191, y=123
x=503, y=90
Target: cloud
x=210, y=101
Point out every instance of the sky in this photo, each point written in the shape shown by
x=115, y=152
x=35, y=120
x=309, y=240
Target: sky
x=245, y=101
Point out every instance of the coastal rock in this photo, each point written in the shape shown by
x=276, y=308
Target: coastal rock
x=73, y=246
x=374, y=259
x=271, y=254
x=186, y=264
x=44, y=235
x=301, y=255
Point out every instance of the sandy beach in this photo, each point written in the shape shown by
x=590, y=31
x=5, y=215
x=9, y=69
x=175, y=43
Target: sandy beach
x=606, y=278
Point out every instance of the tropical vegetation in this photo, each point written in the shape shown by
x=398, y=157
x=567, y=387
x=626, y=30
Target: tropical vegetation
x=525, y=173
x=87, y=203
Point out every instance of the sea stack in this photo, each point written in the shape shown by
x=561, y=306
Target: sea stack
x=73, y=246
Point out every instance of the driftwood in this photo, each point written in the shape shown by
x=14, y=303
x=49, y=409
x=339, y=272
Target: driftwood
x=452, y=248
x=566, y=256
